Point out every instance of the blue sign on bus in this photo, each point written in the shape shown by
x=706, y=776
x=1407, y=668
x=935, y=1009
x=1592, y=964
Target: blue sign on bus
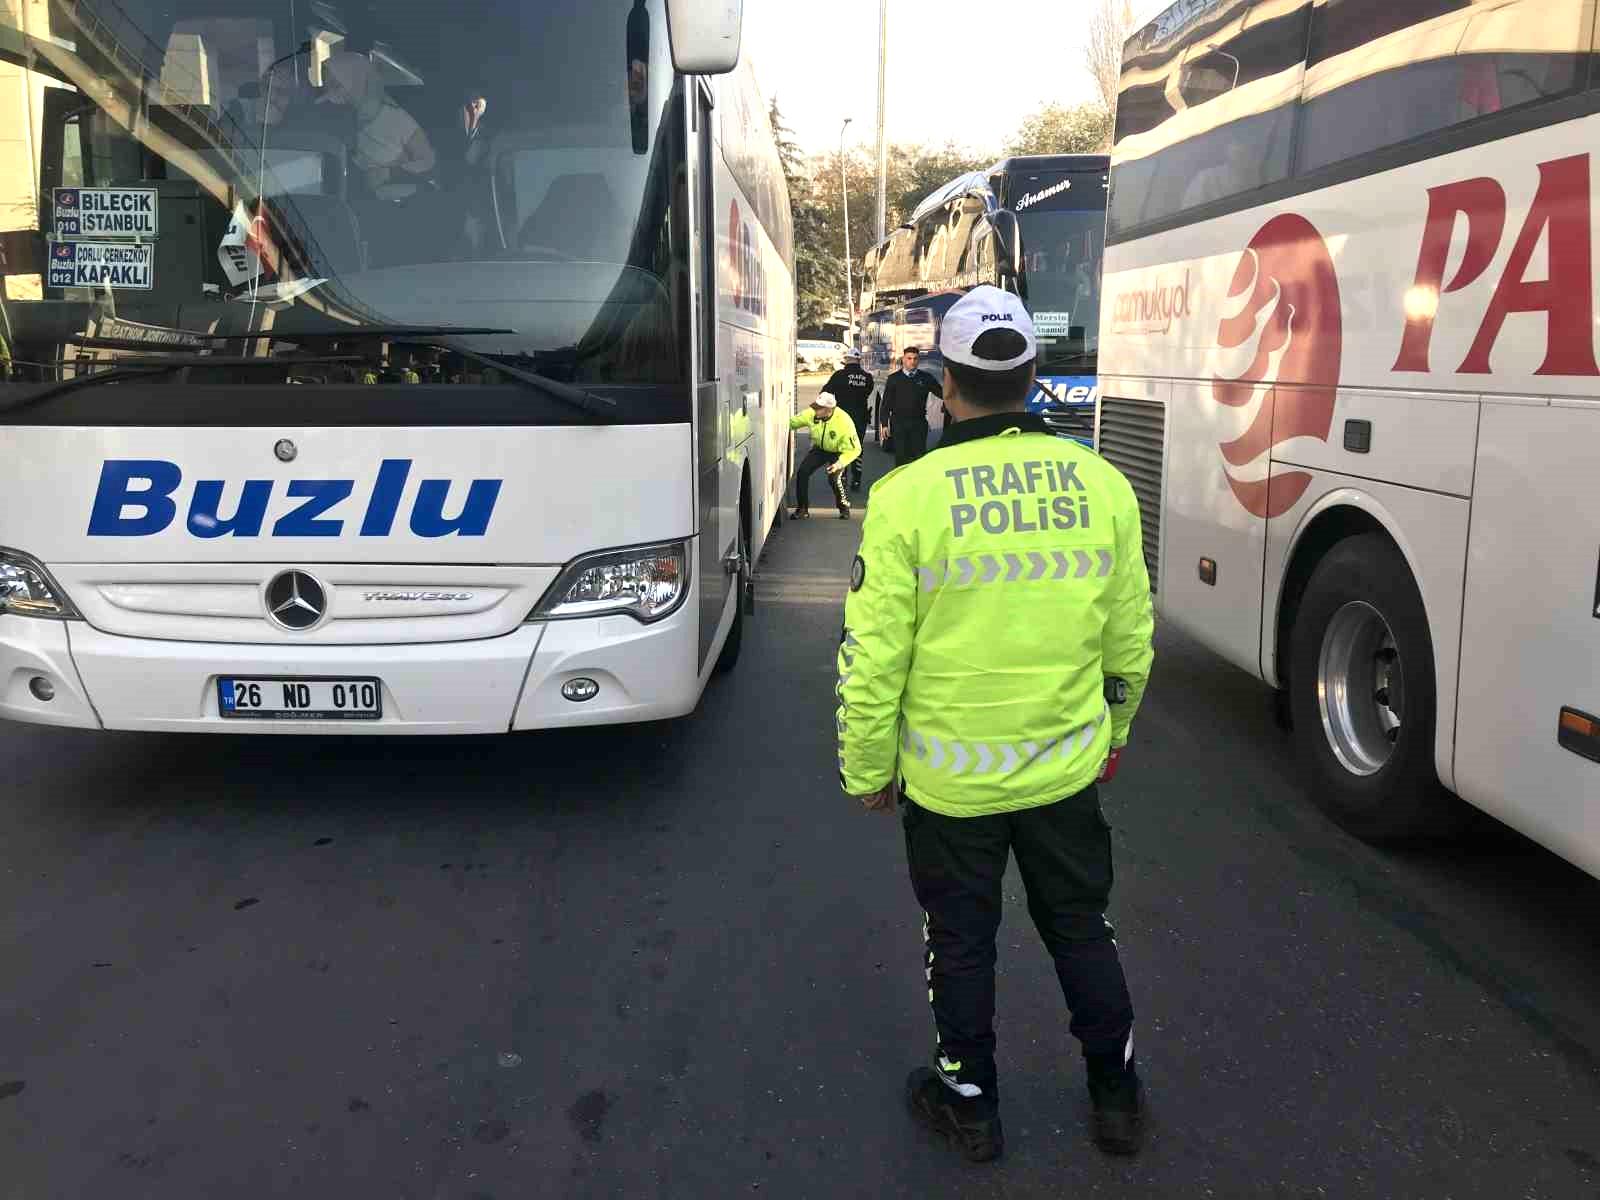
x=1068, y=403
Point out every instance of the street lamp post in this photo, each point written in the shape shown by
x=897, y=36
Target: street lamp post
x=849, y=294
x=883, y=56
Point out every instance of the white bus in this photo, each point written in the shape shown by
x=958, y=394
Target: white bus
x=377, y=372
x=1348, y=360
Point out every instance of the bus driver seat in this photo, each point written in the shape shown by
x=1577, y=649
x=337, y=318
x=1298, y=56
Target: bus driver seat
x=577, y=218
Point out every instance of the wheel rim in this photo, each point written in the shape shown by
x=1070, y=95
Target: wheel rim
x=1360, y=688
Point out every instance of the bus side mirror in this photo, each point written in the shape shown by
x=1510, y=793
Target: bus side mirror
x=705, y=35
x=639, y=76
x=1007, y=234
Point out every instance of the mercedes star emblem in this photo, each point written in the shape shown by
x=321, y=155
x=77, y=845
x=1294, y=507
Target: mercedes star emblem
x=296, y=601
x=285, y=450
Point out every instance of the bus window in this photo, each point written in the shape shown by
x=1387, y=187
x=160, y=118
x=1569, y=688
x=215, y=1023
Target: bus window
x=918, y=329
x=1382, y=72
x=273, y=149
x=72, y=153
x=1210, y=103
x=1062, y=219
x=963, y=253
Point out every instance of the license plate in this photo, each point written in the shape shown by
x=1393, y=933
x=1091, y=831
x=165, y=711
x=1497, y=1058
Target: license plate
x=278, y=699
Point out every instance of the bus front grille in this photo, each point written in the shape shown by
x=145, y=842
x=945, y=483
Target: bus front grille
x=1132, y=438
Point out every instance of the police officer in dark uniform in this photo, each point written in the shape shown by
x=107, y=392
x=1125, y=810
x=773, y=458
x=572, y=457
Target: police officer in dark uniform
x=852, y=387
x=905, y=401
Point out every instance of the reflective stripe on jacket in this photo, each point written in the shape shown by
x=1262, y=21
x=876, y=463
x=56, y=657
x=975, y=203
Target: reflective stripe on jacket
x=835, y=433
x=1001, y=580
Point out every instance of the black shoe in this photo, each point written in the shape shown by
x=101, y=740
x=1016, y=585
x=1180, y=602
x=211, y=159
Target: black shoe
x=799, y=514
x=844, y=514
x=1118, y=1123
x=970, y=1125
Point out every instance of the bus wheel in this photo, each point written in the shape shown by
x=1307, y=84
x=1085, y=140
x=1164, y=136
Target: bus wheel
x=729, y=658
x=1361, y=693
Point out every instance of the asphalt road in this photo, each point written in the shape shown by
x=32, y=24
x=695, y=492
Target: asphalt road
x=672, y=961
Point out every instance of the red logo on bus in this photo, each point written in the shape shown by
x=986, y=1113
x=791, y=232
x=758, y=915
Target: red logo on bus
x=749, y=285
x=1292, y=319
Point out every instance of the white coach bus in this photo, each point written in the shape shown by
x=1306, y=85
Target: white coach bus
x=1348, y=360
x=385, y=368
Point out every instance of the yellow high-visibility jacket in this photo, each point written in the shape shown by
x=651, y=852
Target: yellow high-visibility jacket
x=1001, y=581
x=835, y=433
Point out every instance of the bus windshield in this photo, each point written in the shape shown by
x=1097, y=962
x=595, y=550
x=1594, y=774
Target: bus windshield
x=214, y=166
x=1062, y=216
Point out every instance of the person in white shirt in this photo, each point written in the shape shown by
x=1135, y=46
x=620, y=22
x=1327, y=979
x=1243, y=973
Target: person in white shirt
x=391, y=150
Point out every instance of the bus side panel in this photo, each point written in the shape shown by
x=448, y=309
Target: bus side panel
x=754, y=296
x=1203, y=519
x=770, y=444
x=754, y=306
x=1430, y=531
x=1533, y=624
x=1417, y=439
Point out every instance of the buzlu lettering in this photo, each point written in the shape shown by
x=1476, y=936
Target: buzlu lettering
x=136, y=498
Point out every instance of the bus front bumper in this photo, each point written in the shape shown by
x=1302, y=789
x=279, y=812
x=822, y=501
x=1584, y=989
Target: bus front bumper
x=71, y=674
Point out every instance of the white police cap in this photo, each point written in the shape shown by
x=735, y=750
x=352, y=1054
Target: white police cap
x=988, y=329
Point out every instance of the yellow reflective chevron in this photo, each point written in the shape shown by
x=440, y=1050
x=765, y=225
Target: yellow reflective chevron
x=1034, y=567
x=979, y=758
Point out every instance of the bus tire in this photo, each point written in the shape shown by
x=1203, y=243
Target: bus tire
x=1362, y=695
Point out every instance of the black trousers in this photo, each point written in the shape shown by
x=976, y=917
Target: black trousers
x=809, y=465
x=860, y=419
x=1064, y=855
x=910, y=441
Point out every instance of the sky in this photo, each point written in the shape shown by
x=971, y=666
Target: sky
x=819, y=59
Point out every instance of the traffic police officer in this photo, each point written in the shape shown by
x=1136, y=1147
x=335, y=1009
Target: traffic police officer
x=834, y=446
x=996, y=645
x=905, y=405
x=852, y=387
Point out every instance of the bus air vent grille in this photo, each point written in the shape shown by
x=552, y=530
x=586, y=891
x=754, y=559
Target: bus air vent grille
x=1132, y=438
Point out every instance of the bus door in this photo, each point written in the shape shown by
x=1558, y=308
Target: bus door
x=717, y=511
x=1529, y=697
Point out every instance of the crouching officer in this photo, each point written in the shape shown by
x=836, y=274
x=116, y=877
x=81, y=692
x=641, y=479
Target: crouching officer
x=996, y=646
x=852, y=387
x=834, y=446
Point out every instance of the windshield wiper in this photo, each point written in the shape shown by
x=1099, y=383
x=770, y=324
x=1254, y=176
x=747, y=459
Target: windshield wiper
x=420, y=335
x=428, y=335
x=149, y=368
x=386, y=332
x=577, y=397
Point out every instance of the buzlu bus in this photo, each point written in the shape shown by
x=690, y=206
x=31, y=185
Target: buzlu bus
x=1349, y=363
x=381, y=373
x=1034, y=225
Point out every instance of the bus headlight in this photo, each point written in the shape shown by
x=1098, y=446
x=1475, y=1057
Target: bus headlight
x=26, y=589
x=646, y=583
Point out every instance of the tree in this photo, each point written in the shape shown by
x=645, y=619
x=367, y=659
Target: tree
x=915, y=171
x=1109, y=27
x=818, y=269
x=1083, y=129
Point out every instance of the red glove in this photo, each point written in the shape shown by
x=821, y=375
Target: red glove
x=1109, y=771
